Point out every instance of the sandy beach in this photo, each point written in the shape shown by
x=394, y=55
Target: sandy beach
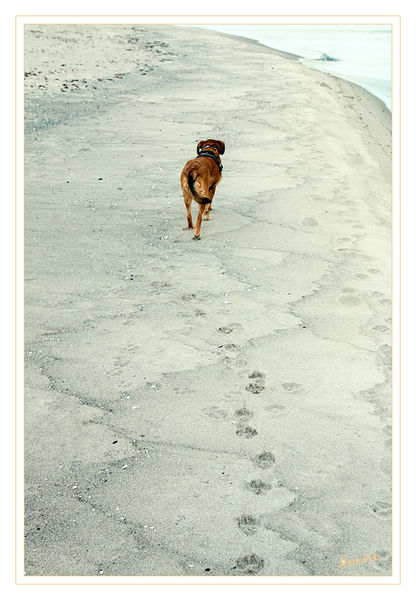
x=213, y=407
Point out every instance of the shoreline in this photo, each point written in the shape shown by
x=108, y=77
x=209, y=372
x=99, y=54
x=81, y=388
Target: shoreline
x=186, y=403
x=300, y=59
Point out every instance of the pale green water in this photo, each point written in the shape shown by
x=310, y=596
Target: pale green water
x=362, y=52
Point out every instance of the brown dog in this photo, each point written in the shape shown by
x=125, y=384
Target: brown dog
x=199, y=179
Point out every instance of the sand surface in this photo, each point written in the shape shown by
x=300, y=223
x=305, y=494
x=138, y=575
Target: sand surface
x=219, y=407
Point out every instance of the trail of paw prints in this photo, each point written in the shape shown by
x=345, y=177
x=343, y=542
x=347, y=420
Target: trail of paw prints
x=243, y=430
x=243, y=414
x=257, y=383
x=229, y=351
x=248, y=524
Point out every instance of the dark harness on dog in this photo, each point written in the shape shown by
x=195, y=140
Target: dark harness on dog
x=210, y=154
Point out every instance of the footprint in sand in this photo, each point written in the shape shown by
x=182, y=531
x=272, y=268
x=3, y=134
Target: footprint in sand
x=257, y=486
x=243, y=414
x=247, y=524
x=225, y=329
x=229, y=328
x=255, y=387
x=349, y=300
x=231, y=347
x=382, y=510
x=382, y=328
x=246, y=431
x=292, y=387
x=215, y=412
x=250, y=564
x=156, y=287
x=188, y=296
x=265, y=460
x=256, y=384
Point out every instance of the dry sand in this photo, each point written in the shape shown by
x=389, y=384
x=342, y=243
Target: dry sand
x=205, y=408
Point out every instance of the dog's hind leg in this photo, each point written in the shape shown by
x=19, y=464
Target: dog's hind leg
x=197, y=232
x=207, y=211
x=188, y=201
x=189, y=216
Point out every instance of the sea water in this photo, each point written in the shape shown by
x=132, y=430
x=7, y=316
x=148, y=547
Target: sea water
x=358, y=53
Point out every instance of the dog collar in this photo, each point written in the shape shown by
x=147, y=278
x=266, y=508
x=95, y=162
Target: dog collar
x=211, y=155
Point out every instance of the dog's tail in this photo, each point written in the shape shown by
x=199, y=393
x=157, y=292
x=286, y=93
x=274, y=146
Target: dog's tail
x=198, y=190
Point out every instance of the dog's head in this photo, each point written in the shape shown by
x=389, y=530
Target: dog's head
x=217, y=145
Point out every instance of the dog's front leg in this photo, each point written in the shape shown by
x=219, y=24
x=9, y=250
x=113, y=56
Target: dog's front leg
x=197, y=232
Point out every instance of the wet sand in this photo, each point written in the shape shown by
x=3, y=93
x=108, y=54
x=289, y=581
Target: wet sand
x=207, y=408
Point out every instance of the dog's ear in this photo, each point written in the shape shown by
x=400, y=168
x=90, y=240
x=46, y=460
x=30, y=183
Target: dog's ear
x=198, y=148
x=221, y=147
